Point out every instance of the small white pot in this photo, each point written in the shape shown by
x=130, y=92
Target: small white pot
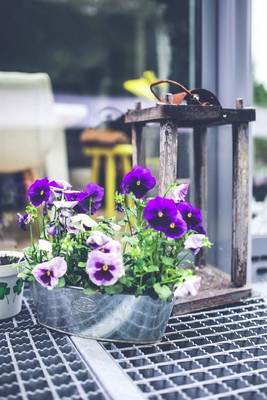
x=11, y=287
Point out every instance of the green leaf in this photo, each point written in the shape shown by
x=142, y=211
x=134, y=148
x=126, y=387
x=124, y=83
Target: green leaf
x=61, y=283
x=167, y=261
x=4, y=290
x=89, y=291
x=164, y=292
x=82, y=264
x=132, y=240
x=114, y=289
x=18, y=286
x=127, y=281
x=152, y=268
x=31, y=210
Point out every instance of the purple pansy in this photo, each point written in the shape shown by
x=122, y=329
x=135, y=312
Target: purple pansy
x=180, y=192
x=60, y=185
x=160, y=213
x=95, y=192
x=194, y=242
x=72, y=195
x=200, y=229
x=24, y=220
x=176, y=229
x=138, y=181
x=91, y=197
x=191, y=215
x=104, y=269
x=112, y=246
x=97, y=239
x=49, y=272
x=52, y=230
x=39, y=192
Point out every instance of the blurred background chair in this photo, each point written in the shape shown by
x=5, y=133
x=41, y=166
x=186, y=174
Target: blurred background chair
x=109, y=143
x=32, y=126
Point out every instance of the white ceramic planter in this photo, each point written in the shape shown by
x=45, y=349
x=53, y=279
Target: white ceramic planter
x=11, y=287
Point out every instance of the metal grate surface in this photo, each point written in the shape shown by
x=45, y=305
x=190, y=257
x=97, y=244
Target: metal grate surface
x=216, y=354
x=36, y=363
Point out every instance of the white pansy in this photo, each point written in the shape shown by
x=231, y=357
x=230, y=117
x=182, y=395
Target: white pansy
x=190, y=287
x=180, y=192
x=82, y=221
x=65, y=204
x=115, y=227
x=59, y=185
x=45, y=245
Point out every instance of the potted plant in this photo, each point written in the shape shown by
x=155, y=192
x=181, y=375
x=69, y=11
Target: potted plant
x=111, y=278
x=11, y=287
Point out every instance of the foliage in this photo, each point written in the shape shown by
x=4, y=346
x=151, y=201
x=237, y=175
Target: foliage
x=260, y=94
x=138, y=258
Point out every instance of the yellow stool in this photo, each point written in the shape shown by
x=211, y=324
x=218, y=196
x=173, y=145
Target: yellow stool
x=122, y=150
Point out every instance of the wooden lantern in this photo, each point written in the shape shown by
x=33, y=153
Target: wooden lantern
x=217, y=288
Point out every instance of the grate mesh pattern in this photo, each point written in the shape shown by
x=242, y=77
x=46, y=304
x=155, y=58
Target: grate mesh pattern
x=36, y=363
x=216, y=354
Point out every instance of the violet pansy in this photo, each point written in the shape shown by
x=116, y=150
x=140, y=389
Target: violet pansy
x=49, y=272
x=104, y=269
x=138, y=181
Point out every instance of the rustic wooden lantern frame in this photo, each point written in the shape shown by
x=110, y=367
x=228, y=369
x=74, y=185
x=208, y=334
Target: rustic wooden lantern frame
x=218, y=287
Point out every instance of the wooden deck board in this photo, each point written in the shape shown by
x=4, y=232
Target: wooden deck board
x=216, y=290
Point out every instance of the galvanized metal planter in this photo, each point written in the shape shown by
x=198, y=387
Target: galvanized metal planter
x=123, y=318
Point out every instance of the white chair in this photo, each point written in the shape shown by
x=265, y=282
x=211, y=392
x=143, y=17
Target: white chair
x=32, y=125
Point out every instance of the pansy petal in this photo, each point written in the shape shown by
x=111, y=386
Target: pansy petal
x=98, y=269
x=180, y=192
x=59, y=266
x=138, y=181
x=97, y=239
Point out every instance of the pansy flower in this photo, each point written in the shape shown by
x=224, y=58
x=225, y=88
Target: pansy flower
x=24, y=220
x=59, y=185
x=52, y=230
x=191, y=287
x=45, y=245
x=194, y=242
x=138, y=181
x=49, y=272
x=80, y=222
x=39, y=192
x=91, y=198
x=72, y=195
x=180, y=192
x=160, y=213
x=190, y=214
x=200, y=229
x=104, y=269
x=176, y=228
x=95, y=192
x=112, y=246
x=97, y=239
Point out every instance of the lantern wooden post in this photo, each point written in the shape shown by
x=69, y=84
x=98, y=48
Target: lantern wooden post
x=168, y=155
x=200, y=157
x=240, y=201
x=138, y=142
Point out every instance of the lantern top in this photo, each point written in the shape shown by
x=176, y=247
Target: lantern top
x=191, y=115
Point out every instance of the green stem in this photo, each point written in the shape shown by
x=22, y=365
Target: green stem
x=31, y=235
x=90, y=206
x=168, y=189
x=127, y=216
x=43, y=224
